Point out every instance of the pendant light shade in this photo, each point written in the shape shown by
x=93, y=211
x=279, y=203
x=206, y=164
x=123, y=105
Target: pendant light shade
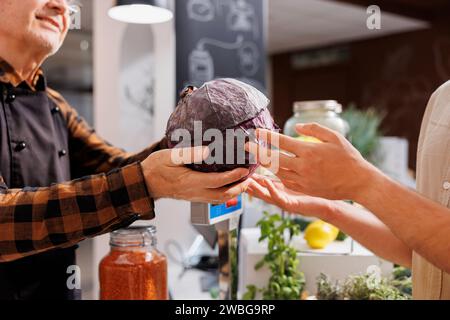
x=141, y=11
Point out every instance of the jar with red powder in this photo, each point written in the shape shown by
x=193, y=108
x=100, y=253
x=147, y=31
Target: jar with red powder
x=134, y=269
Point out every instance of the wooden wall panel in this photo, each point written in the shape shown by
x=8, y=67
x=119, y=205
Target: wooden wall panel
x=397, y=74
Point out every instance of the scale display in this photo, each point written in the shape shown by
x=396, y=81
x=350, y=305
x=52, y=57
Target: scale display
x=217, y=211
x=209, y=214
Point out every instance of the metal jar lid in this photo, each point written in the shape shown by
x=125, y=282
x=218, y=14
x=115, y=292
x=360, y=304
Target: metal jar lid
x=136, y=236
x=327, y=105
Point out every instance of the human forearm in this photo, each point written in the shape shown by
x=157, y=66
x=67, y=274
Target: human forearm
x=33, y=220
x=420, y=223
x=355, y=221
x=144, y=154
x=368, y=230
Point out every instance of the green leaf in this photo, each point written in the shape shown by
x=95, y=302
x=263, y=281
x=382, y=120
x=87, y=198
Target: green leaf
x=260, y=264
x=286, y=282
x=250, y=294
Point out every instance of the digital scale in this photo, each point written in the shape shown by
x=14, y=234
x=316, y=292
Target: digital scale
x=211, y=214
x=225, y=218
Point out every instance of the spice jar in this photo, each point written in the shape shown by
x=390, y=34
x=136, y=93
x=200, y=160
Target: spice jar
x=324, y=112
x=134, y=269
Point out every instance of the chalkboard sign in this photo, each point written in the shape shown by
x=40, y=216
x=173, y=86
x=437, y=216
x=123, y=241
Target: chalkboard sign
x=221, y=38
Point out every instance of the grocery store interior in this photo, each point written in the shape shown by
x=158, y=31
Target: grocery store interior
x=312, y=58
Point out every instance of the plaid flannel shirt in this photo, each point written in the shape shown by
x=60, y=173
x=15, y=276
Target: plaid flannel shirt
x=112, y=194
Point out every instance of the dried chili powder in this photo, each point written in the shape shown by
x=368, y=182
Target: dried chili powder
x=134, y=269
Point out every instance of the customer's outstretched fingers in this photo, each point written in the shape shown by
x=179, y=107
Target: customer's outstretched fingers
x=293, y=186
x=275, y=193
x=285, y=174
x=268, y=157
x=257, y=190
x=317, y=131
x=281, y=141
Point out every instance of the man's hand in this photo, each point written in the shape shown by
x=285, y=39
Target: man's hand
x=333, y=169
x=167, y=177
x=274, y=192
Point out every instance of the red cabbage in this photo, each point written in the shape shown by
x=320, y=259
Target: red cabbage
x=220, y=104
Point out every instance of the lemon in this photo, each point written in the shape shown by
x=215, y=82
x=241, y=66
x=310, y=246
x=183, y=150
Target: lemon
x=319, y=234
x=308, y=139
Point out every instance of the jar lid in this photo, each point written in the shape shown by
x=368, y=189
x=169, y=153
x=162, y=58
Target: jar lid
x=328, y=105
x=136, y=236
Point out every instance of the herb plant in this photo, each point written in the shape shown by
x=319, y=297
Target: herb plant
x=286, y=282
x=365, y=130
x=368, y=286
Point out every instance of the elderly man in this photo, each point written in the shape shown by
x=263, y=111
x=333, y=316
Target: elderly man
x=44, y=144
x=408, y=228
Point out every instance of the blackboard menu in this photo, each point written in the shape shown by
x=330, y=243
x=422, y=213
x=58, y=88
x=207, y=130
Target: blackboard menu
x=221, y=38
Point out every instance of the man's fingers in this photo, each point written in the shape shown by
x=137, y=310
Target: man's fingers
x=218, y=180
x=281, y=141
x=317, y=131
x=225, y=194
x=183, y=156
x=215, y=180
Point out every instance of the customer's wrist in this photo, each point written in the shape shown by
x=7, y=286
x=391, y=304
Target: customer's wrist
x=332, y=212
x=371, y=180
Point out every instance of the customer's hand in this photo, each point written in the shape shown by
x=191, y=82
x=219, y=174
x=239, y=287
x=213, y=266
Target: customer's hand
x=274, y=192
x=168, y=177
x=333, y=169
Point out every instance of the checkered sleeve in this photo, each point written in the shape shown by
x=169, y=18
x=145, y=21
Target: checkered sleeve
x=89, y=153
x=34, y=220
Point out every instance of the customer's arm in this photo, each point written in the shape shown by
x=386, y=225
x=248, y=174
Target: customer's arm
x=89, y=153
x=421, y=223
x=362, y=225
x=335, y=170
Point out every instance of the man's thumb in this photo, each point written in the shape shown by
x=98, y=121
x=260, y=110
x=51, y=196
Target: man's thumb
x=183, y=156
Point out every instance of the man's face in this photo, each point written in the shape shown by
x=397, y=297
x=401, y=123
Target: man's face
x=42, y=24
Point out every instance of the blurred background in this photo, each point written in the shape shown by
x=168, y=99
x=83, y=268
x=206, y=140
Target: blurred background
x=124, y=79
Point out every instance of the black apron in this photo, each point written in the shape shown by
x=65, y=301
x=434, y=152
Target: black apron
x=34, y=153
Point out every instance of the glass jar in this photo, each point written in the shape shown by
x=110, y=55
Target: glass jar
x=325, y=112
x=134, y=269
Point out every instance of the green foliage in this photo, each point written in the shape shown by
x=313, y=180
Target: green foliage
x=251, y=293
x=302, y=223
x=370, y=287
x=364, y=131
x=341, y=236
x=326, y=290
x=214, y=293
x=367, y=286
x=402, y=280
x=233, y=263
x=286, y=282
